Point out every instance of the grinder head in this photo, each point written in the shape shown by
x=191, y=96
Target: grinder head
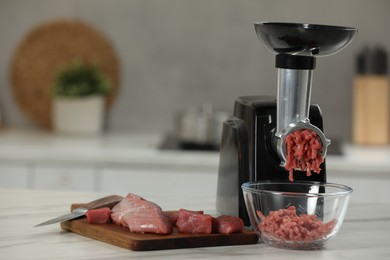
x=296, y=46
x=304, y=39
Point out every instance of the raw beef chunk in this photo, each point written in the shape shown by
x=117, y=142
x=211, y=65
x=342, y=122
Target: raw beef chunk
x=141, y=216
x=174, y=214
x=98, y=216
x=227, y=224
x=193, y=222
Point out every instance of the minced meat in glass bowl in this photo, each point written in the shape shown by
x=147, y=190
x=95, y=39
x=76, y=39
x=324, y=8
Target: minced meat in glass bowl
x=296, y=215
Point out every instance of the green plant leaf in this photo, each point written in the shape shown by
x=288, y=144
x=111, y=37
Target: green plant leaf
x=78, y=80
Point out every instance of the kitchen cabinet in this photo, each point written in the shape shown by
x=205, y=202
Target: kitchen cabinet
x=15, y=176
x=62, y=177
x=365, y=189
x=122, y=163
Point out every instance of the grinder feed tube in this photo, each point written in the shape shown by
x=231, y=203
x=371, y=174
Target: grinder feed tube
x=299, y=144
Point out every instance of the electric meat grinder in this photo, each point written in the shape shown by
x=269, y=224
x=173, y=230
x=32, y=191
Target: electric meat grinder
x=253, y=144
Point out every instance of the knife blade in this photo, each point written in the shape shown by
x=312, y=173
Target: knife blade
x=109, y=201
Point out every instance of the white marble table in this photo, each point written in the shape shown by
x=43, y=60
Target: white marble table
x=365, y=233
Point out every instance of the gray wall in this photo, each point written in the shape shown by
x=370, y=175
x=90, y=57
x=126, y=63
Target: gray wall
x=176, y=53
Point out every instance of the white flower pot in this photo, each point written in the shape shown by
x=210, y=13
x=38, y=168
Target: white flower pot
x=78, y=115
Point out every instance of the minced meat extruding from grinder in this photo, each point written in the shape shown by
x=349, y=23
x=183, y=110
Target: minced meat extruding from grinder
x=304, y=152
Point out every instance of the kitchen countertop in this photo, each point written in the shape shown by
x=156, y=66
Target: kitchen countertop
x=143, y=149
x=365, y=233
x=115, y=148
x=366, y=169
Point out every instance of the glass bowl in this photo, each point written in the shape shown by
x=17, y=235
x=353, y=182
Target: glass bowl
x=296, y=215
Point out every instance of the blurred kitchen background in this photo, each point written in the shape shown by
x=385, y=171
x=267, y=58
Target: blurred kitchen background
x=175, y=54
x=179, y=53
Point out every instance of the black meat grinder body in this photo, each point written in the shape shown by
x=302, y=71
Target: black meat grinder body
x=246, y=152
x=253, y=144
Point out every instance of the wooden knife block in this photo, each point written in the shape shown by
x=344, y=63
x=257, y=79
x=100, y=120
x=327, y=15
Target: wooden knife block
x=371, y=110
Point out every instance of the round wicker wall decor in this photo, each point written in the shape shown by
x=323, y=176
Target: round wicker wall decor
x=47, y=49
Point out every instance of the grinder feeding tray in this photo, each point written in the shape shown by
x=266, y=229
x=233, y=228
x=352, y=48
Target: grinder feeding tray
x=265, y=138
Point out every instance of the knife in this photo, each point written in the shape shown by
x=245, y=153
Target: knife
x=109, y=201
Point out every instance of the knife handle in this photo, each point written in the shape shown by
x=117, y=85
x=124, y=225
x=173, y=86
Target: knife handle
x=109, y=201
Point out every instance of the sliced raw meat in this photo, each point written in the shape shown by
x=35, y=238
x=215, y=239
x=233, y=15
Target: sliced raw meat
x=286, y=224
x=227, y=224
x=141, y=216
x=193, y=222
x=304, y=152
x=98, y=216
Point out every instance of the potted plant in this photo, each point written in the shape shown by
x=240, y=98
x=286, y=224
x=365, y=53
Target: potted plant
x=78, y=104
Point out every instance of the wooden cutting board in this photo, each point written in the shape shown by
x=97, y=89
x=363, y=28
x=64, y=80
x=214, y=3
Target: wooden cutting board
x=120, y=236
